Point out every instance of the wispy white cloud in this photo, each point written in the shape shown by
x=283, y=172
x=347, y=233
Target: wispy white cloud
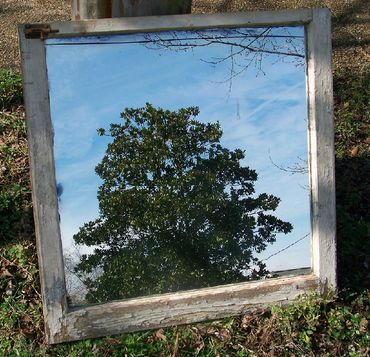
x=74, y=130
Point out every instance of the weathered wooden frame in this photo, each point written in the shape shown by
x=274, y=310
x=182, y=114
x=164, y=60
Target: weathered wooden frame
x=64, y=323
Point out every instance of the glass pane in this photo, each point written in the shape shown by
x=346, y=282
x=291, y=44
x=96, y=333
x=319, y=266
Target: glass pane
x=181, y=159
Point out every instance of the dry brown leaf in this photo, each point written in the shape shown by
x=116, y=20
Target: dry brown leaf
x=176, y=347
x=159, y=334
x=224, y=334
x=354, y=151
x=5, y=272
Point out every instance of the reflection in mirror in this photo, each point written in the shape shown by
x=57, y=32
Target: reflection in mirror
x=181, y=159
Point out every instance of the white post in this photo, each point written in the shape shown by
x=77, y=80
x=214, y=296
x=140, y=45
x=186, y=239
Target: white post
x=91, y=9
x=99, y=9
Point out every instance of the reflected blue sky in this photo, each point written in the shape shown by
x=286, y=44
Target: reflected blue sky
x=261, y=109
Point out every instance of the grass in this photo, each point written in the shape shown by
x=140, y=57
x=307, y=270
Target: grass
x=312, y=326
x=21, y=327
x=352, y=112
x=11, y=94
x=15, y=194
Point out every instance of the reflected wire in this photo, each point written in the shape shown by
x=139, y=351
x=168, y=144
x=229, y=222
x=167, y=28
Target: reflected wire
x=287, y=247
x=163, y=40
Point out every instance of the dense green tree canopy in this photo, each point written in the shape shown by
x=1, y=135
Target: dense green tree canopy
x=177, y=209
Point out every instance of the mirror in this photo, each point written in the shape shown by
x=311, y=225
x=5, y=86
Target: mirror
x=181, y=159
x=169, y=158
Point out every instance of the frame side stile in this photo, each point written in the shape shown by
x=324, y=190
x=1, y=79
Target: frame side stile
x=45, y=205
x=321, y=132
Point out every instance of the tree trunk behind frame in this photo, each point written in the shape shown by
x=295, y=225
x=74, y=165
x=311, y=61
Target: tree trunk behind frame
x=99, y=9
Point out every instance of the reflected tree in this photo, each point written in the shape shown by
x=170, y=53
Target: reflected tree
x=177, y=209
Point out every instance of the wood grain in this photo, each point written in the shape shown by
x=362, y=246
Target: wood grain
x=176, y=22
x=321, y=147
x=183, y=307
x=45, y=205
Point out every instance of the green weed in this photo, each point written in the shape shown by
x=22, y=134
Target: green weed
x=352, y=113
x=15, y=194
x=324, y=327
x=11, y=95
x=20, y=302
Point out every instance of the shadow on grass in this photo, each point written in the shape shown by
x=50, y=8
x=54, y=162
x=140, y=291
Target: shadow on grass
x=353, y=224
x=352, y=124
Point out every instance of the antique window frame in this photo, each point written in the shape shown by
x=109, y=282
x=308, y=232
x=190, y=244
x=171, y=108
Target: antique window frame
x=64, y=323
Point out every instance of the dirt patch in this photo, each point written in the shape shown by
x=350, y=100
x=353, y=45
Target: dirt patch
x=14, y=12
x=351, y=30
